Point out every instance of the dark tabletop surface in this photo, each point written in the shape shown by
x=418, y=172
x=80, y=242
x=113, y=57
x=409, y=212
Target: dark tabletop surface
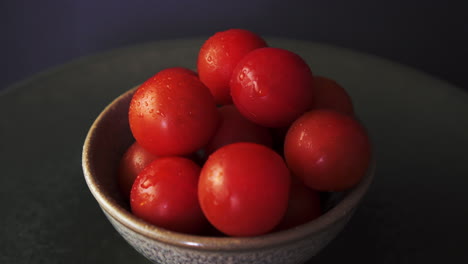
x=415, y=211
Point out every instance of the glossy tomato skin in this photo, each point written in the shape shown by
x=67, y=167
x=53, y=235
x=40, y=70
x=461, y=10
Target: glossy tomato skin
x=244, y=188
x=173, y=113
x=165, y=194
x=219, y=55
x=236, y=128
x=327, y=150
x=328, y=94
x=134, y=160
x=303, y=206
x=272, y=87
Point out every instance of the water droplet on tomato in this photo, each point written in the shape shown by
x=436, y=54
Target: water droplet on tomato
x=243, y=74
x=160, y=113
x=146, y=184
x=260, y=91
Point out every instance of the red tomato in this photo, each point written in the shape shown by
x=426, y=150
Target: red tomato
x=303, y=206
x=327, y=150
x=165, y=194
x=244, y=188
x=328, y=94
x=132, y=163
x=173, y=113
x=219, y=55
x=236, y=128
x=272, y=87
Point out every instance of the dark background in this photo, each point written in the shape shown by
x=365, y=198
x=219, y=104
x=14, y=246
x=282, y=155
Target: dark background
x=429, y=35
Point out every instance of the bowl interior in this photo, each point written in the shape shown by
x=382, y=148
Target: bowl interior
x=108, y=139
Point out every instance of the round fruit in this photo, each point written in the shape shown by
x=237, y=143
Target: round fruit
x=219, y=55
x=244, y=188
x=132, y=163
x=165, y=194
x=327, y=150
x=328, y=94
x=236, y=128
x=303, y=206
x=272, y=87
x=173, y=113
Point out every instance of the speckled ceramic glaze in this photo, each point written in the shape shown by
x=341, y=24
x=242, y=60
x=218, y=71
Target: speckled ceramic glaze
x=106, y=142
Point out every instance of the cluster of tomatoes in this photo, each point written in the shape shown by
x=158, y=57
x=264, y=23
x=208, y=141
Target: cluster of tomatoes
x=244, y=146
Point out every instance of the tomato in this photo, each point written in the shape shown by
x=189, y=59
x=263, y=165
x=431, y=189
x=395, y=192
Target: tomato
x=328, y=94
x=173, y=113
x=303, y=206
x=236, y=128
x=243, y=189
x=219, y=55
x=272, y=87
x=165, y=194
x=327, y=150
x=132, y=163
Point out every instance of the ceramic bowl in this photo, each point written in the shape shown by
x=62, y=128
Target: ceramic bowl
x=107, y=140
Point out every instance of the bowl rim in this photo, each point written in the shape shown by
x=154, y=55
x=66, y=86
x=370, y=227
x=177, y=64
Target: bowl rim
x=349, y=202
